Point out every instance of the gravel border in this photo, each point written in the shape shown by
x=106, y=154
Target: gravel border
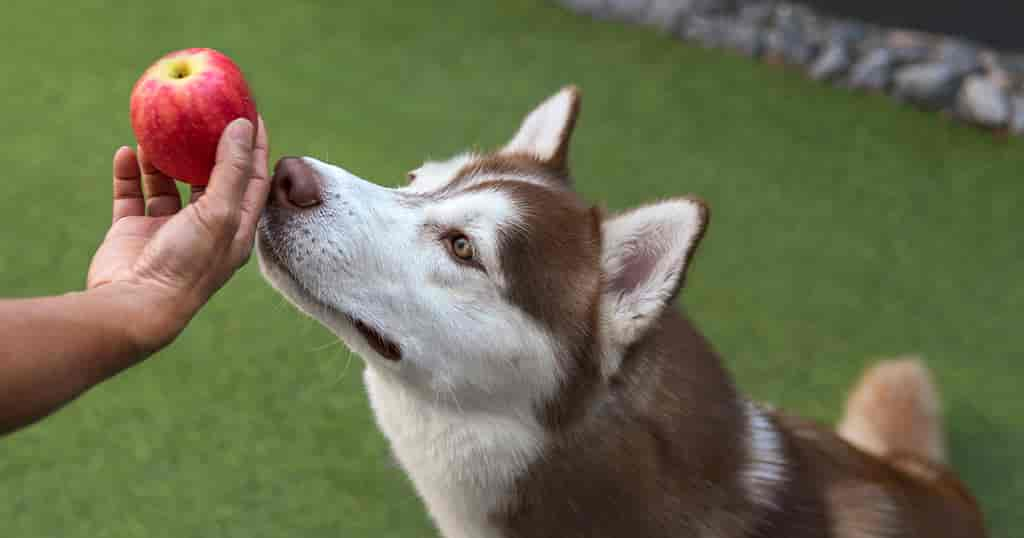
x=965, y=80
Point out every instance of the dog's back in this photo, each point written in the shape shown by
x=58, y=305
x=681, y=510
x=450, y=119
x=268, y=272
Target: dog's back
x=671, y=450
x=868, y=496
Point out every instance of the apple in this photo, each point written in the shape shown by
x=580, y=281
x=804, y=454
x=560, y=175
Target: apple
x=181, y=105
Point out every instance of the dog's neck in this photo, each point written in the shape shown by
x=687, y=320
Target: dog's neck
x=667, y=428
x=462, y=461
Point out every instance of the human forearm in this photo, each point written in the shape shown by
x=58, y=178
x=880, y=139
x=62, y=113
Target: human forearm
x=53, y=349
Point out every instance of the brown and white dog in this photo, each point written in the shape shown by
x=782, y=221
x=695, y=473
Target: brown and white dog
x=525, y=361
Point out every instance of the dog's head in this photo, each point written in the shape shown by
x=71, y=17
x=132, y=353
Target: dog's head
x=486, y=279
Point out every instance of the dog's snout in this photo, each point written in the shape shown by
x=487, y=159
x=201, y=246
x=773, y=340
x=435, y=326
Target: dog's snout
x=296, y=184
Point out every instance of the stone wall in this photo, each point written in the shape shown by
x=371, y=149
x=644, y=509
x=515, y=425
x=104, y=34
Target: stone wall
x=941, y=73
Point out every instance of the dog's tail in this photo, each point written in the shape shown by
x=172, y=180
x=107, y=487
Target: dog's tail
x=895, y=409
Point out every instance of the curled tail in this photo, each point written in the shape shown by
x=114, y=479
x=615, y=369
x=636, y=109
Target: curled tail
x=895, y=409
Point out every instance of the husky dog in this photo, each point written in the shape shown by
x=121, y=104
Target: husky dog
x=526, y=362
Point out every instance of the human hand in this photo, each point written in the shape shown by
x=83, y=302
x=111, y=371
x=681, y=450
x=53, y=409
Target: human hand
x=168, y=260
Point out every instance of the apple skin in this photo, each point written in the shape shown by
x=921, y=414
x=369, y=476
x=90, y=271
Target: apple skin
x=181, y=105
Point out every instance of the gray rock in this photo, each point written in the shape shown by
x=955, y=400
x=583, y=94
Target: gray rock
x=817, y=29
x=790, y=14
x=932, y=85
x=664, y=14
x=628, y=10
x=795, y=36
x=716, y=31
x=963, y=56
x=995, y=69
x=704, y=30
x=597, y=8
x=909, y=54
x=873, y=71
x=874, y=38
x=1017, y=117
x=758, y=13
x=1014, y=63
x=740, y=36
x=847, y=33
x=908, y=46
x=832, y=63
x=706, y=7
x=789, y=45
x=908, y=39
x=981, y=101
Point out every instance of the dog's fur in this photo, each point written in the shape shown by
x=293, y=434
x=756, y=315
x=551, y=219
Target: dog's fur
x=546, y=387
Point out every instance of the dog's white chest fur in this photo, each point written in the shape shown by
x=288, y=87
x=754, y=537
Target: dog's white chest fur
x=463, y=465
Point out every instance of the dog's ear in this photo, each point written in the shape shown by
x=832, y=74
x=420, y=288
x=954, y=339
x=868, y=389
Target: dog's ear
x=645, y=254
x=546, y=131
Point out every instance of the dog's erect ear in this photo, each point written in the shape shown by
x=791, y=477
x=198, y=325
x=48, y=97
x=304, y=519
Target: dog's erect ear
x=644, y=257
x=545, y=132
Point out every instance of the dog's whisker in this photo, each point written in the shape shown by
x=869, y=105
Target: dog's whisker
x=455, y=398
x=344, y=370
x=328, y=345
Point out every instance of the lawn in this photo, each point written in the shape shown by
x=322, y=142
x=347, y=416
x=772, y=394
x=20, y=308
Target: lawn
x=844, y=228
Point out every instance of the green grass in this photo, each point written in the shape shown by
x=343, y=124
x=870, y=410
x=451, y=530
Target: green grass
x=845, y=228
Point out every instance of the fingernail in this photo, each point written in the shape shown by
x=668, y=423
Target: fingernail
x=240, y=131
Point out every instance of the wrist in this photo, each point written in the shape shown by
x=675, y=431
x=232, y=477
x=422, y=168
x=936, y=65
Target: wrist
x=145, y=317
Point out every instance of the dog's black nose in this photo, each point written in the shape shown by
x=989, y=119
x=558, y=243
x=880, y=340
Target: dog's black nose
x=296, y=185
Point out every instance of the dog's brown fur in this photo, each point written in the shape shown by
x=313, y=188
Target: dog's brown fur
x=659, y=449
x=659, y=454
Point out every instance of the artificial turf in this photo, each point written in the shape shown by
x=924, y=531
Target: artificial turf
x=844, y=228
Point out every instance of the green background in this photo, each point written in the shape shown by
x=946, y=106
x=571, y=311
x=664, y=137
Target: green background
x=845, y=227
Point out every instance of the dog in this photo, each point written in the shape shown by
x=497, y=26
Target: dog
x=527, y=365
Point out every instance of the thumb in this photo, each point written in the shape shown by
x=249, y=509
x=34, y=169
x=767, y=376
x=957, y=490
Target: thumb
x=233, y=167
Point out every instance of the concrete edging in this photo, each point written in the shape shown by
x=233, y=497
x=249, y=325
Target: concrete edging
x=968, y=81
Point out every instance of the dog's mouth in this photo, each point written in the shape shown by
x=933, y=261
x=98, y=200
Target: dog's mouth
x=384, y=346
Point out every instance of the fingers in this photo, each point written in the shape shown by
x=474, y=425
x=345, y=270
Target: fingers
x=259, y=186
x=162, y=198
x=128, y=198
x=218, y=210
x=233, y=168
x=196, y=192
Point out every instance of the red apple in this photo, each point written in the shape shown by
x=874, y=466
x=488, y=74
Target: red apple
x=181, y=105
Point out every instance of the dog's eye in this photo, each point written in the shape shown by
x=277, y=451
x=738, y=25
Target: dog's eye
x=411, y=176
x=461, y=247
